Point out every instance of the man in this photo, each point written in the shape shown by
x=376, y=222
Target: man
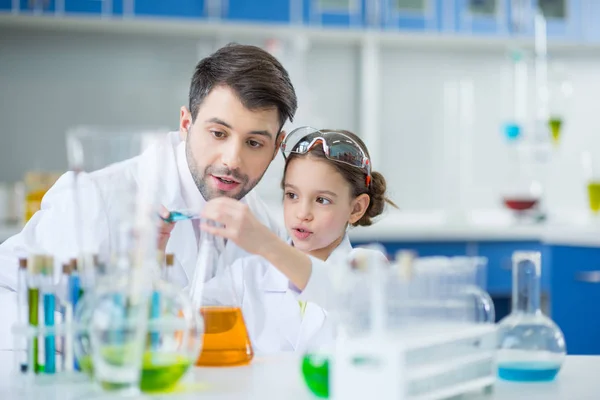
x=240, y=98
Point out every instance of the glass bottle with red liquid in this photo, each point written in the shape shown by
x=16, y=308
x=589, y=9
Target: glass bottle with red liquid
x=522, y=193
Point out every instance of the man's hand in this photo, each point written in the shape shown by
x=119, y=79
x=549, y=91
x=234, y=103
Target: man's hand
x=164, y=229
x=238, y=224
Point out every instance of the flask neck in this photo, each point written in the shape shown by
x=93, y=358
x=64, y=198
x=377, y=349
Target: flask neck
x=526, y=287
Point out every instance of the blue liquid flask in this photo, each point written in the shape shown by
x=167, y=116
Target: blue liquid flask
x=531, y=347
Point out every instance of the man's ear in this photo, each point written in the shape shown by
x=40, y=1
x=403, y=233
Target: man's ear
x=278, y=142
x=185, y=122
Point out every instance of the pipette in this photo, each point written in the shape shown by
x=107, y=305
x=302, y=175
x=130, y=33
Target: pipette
x=180, y=215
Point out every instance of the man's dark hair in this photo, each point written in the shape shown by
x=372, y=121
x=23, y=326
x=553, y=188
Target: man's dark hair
x=258, y=79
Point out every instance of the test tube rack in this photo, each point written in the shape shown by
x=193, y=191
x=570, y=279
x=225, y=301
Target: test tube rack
x=427, y=362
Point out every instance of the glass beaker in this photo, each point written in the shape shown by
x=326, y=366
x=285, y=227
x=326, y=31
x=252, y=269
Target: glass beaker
x=523, y=190
x=226, y=341
x=531, y=347
x=131, y=201
x=117, y=331
x=591, y=171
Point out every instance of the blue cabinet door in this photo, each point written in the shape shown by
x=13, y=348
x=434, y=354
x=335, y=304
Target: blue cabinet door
x=424, y=249
x=413, y=15
x=6, y=5
x=481, y=17
x=174, y=8
x=563, y=18
x=28, y=6
x=589, y=20
x=334, y=13
x=576, y=297
x=499, y=269
x=263, y=11
x=94, y=7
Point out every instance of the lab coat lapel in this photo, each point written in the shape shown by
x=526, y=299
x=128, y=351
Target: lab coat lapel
x=314, y=319
x=314, y=316
x=275, y=286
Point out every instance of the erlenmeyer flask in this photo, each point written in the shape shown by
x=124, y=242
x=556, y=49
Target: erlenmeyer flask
x=531, y=347
x=226, y=341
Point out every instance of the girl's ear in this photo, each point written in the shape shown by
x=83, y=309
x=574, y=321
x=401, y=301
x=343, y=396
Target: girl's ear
x=359, y=207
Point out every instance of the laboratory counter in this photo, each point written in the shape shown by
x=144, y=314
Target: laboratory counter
x=570, y=228
x=279, y=377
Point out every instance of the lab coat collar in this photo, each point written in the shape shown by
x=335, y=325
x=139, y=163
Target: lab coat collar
x=275, y=281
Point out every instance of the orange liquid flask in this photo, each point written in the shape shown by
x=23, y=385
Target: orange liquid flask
x=226, y=340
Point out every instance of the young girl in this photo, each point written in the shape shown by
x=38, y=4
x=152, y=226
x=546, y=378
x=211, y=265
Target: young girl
x=328, y=186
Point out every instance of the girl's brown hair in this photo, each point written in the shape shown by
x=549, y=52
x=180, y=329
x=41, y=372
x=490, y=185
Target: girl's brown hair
x=356, y=178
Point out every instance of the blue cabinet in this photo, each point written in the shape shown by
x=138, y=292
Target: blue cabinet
x=413, y=15
x=334, y=13
x=184, y=9
x=94, y=7
x=589, y=20
x=499, y=268
x=265, y=11
x=563, y=18
x=28, y=6
x=481, y=17
x=425, y=249
x=575, y=292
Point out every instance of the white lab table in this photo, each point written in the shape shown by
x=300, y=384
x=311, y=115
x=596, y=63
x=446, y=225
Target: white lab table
x=279, y=377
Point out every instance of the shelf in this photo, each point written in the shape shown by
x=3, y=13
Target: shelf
x=195, y=29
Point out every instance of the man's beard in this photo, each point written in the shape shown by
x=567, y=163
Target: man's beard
x=200, y=178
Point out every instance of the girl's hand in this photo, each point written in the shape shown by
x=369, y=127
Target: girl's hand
x=238, y=224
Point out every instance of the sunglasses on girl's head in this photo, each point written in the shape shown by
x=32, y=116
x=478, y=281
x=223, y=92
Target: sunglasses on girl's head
x=336, y=145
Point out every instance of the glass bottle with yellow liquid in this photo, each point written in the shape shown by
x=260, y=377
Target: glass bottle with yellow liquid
x=226, y=341
x=591, y=170
x=36, y=186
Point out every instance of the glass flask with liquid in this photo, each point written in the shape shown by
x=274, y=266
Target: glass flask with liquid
x=523, y=190
x=226, y=341
x=591, y=170
x=170, y=343
x=531, y=347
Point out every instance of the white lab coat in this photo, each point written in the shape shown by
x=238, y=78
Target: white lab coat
x=270, y=302
x=50, y=229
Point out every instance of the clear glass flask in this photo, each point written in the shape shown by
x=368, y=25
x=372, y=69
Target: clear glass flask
x=531, y=347
x=215, y=291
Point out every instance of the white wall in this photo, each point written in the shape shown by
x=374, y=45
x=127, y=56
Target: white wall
x=51, y=81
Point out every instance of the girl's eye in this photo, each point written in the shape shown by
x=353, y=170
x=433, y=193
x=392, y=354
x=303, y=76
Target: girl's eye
x=323, y=200
x=291, y=196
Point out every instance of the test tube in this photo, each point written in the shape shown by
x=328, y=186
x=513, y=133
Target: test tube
x=22, y=311
x=35, y=264
x=49, y=308
x=68, y=358
x=170, y=261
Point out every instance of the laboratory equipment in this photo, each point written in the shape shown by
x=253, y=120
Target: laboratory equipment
x=560, y=91
x=161, y=353
x=49, y=309
x=517, y=116
x=531, y=347
x=36, y=185
x=35, y=265
x=523, y=191
x=175, y=216
x=591, y=173
x=226, y=341
x=418, y=328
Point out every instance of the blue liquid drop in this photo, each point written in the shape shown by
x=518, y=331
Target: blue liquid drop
x=512, y=131
x=528, y=371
